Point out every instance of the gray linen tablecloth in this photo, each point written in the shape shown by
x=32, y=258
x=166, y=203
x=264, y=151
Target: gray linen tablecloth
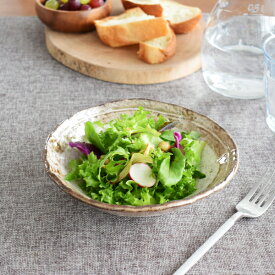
x=45, y=231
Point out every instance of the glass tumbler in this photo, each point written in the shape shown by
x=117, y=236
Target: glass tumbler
x=232, y=51
x=269, y=53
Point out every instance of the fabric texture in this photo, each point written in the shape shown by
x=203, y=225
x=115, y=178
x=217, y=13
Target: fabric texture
x=45, y=231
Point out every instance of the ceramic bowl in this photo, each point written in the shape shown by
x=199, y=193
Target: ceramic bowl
x=219, y=159
x=71, y=21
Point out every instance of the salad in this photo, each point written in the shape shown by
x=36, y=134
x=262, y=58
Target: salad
x=131, y=161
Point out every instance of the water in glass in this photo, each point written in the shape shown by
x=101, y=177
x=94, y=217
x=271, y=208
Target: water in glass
x=232, y=53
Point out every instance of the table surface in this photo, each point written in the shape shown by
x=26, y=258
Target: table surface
x=45, y=231
x=26, y=7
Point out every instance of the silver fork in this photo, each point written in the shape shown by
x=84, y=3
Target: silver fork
x=255, y=203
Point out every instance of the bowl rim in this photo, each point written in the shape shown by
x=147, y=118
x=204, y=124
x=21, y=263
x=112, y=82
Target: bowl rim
x=145, y=208
x=39, y=3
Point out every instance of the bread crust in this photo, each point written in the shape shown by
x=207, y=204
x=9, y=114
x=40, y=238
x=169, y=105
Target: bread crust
x=157, y=10
x=152, y=9
x=154, y=55
x=186, y=26
x=132, y=32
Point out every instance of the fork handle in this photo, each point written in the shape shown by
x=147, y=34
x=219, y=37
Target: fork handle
x=208, y=244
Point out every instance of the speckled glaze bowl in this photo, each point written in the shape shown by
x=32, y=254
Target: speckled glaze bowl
x=219, y=160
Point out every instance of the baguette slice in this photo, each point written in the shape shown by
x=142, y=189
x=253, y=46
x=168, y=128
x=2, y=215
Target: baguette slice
x=152, y=7
x=159, y=49
x=182, y=19
x=131, y=27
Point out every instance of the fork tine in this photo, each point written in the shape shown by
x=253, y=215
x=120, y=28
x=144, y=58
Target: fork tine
x=253, y=190
x=263, y=199
x=262, y=191
x=270, y=199
x=266, y=192
x=256, y=190
x=268, y=177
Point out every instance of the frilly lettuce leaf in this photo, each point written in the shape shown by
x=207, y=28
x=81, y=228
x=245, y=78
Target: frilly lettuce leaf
x=123, y=141
x=148, y=138
x=112, y=164
x=93, y=136
x=193, y=150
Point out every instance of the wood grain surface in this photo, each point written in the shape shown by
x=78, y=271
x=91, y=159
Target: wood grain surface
x=86, y=54
x=26, y=7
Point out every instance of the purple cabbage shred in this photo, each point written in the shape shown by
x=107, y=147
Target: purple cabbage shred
x=178, y=138
x=85, y=148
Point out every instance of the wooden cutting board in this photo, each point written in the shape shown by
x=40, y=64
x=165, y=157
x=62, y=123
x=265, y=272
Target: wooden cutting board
x=86, y=54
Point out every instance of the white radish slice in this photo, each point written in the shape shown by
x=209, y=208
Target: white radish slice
x=142, y=174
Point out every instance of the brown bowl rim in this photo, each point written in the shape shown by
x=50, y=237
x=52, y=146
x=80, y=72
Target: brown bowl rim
x=39, y=3
x=145, y=208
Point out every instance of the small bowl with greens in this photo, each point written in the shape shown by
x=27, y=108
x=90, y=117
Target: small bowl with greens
x=140, y=157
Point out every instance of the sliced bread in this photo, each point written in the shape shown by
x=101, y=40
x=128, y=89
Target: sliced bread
x=131, y=27
x=159, y=49
x=182, y=19
x=152, y=7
